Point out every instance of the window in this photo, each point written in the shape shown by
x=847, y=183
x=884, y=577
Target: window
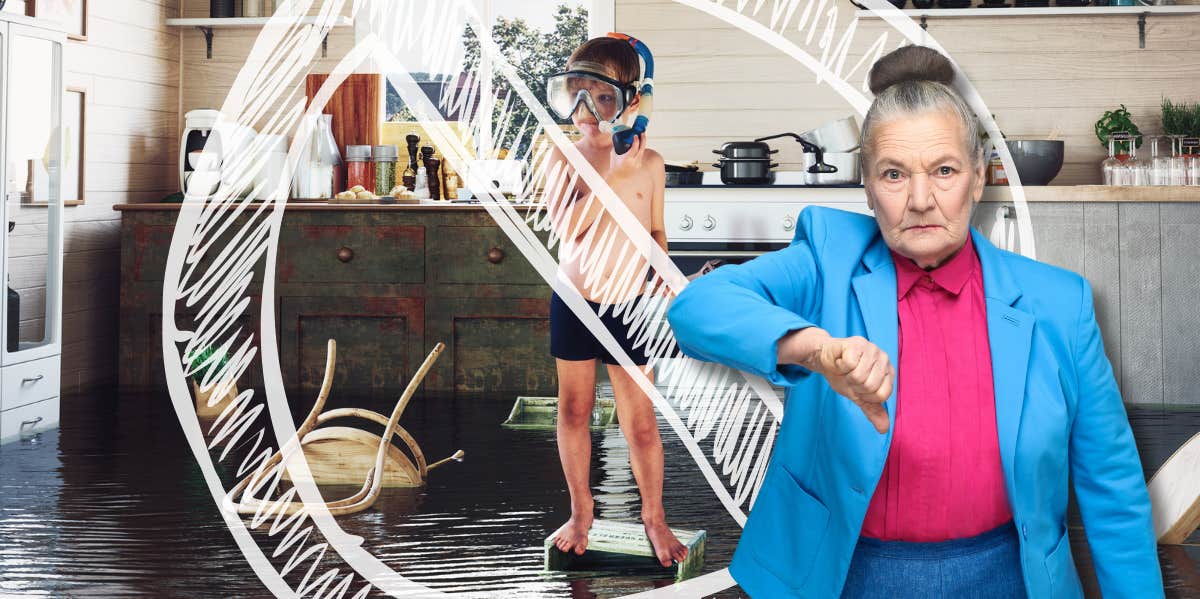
x=536, y=36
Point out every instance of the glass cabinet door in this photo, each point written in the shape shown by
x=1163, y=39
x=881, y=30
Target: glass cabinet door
x=33, y=200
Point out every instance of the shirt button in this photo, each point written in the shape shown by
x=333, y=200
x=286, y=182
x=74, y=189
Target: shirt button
x=1024, y=531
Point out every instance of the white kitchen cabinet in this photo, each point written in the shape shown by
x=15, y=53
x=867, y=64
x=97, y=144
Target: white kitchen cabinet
x=31, y=254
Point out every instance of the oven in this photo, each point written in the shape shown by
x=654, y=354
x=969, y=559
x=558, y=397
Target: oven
x=729, y=225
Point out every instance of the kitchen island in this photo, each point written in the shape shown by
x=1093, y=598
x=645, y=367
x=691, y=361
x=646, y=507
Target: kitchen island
x=390, y=281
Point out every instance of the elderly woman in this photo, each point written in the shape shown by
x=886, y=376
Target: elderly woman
x=941, y=391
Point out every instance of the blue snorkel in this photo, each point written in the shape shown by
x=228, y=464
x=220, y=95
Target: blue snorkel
x=622, y=134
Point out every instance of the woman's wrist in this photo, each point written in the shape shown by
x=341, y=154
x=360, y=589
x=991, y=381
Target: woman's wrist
x=803, y=347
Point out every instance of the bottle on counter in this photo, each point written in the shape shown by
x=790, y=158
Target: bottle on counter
x=995, y=171
x=385, y=169
x=360, y=170
x=452, y=183
x=422, y=184
x=319, y=173
x=409, y=177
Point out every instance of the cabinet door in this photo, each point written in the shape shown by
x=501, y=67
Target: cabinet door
x=33, y=200
x=493, y=345
x=380, y=344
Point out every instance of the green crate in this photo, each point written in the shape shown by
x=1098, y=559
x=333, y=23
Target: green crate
x=624, y=546
x=541, y=414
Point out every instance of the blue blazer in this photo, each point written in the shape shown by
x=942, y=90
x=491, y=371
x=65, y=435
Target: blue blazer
x=1058, y=411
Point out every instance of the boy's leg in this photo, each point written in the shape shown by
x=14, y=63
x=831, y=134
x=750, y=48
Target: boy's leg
x=636, y=416
x=576, y=397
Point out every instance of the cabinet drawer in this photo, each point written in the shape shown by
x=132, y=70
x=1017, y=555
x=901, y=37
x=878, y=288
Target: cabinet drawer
x=352, y=254
x=478, y=255
x=28, y=420
x=28, y=382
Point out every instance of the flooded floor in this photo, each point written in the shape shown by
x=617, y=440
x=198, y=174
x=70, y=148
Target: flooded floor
x=112, y=504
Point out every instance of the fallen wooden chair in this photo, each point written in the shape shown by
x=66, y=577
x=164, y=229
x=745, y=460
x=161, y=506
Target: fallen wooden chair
x=1175, y=494
x=624, y=546
x=342, y=455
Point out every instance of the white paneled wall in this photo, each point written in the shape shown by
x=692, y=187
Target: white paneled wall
x=130, y=67
x=716, y=83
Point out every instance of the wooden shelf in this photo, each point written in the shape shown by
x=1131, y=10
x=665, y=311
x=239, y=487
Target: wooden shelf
x=206, y=26
x=924, y=14
x=247, y=22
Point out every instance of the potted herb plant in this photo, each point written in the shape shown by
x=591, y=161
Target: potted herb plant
x=1118, y=120
x=214, y=361
x=1183, y=120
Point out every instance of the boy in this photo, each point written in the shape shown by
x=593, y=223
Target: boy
x=597, y=87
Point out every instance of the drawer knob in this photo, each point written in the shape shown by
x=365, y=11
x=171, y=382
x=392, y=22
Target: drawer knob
x=32, y=379
x=345, y=254
x=495, y=255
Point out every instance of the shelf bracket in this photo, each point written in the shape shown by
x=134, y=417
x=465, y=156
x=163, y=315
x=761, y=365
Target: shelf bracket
x=1142, y=30
x=924, y=22
x=325, y=46
x=208, y=35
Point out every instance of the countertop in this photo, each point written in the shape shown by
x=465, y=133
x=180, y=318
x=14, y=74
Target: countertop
x=992, y=193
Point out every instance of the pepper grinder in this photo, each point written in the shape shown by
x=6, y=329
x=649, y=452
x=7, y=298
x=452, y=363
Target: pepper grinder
x=435, y=179
x=410, y=180
x=431, y=165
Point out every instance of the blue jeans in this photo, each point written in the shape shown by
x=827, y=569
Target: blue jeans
x=986, y=565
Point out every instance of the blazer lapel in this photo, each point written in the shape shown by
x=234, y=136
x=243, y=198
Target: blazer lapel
x=876, y=293
x=1010, y=334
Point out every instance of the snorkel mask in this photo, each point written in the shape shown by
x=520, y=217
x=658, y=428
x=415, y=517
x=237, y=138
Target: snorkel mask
x=606, y=98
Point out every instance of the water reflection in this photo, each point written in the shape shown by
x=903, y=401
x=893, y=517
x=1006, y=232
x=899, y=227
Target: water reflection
x=112, y=504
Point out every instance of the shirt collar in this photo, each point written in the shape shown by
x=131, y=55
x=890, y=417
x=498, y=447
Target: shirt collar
x=951, y=276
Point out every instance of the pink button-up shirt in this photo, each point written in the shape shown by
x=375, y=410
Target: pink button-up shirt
x=943, y=477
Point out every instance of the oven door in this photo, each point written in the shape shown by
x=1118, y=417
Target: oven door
x=693, y=257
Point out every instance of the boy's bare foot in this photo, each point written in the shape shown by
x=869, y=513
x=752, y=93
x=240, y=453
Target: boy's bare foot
x=666, y=546
x=573, y=536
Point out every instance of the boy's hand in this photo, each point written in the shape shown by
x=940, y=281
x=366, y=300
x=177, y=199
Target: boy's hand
x=628, y=165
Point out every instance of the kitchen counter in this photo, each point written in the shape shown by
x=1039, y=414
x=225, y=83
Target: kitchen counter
x=840, y=194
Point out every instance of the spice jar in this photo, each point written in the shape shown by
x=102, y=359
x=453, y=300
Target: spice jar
x=995, y=170
x=359, y=168
x=385, y=169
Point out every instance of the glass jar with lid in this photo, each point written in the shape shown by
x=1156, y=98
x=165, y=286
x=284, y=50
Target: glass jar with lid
x=360, y=170
x=384, y=158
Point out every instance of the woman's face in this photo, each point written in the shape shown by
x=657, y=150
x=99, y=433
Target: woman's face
x=922, y=183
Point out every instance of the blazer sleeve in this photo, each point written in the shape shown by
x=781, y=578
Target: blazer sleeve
x=737, y=313
x=1110, y=487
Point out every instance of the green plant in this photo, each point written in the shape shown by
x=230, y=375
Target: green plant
x=208, y=360
x=1181, y=118
x=1117, y=120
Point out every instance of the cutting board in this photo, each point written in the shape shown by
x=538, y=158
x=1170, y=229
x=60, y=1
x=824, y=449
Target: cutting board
x=356, y=107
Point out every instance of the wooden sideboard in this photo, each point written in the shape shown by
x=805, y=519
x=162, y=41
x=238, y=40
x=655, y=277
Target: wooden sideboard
x=387, y=282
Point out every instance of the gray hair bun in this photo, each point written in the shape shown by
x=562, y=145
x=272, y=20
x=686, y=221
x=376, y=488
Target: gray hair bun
x=910, y=63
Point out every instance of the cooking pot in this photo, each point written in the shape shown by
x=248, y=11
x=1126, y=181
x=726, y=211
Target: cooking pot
x=835, y=136
x=756, y=149
x=845, y=165
x=746, y=171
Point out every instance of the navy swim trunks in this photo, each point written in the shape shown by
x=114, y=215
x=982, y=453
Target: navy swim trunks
x=571, y=340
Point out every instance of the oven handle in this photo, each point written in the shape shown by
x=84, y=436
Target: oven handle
x=717, y=253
